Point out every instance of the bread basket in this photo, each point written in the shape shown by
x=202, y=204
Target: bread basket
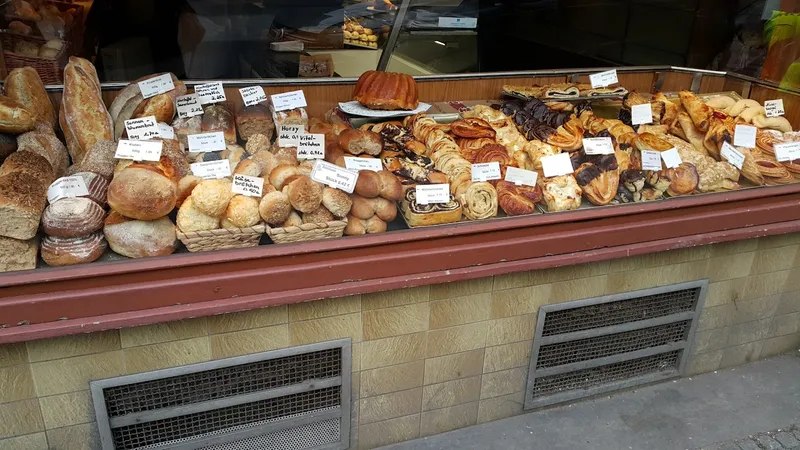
x=50, y=70
x=307, y=232
x=222, y=238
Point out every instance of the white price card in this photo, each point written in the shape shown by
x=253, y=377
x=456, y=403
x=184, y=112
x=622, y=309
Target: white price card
x=207, y=142
x=156, y=85
x=745, y=136
x=139, y=150
x=210, y=93
x=603, y=79
x=166, y=131
x=188, y=106
x=312, y=146
x=671, y=158
x=598, y=146
x=789, y=151
x=458, y=22
x=66, y=187
x=733, y=156
x=142, y=129
x=335, y=176
x=353, y=163
x=289, y=135
x=247, y=185
x=642, y=114
x=211, y=170
x=252, y=95
x=433, y=193
x=651, y=160
x=289, y=100
x=486, y=172
x=521, y=176
x=774, y=108
x=557, y=165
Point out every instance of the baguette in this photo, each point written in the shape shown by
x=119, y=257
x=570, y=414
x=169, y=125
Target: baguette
x=26, y=88
x=85, y=113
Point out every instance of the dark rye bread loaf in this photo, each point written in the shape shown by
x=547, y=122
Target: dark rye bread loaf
x=57, y=251
x=72, y=217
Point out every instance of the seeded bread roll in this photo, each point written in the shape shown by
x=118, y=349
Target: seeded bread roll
x=242, y=211
x=267, y=162
x=286, y=156
x=140, y=238
x=257, y=143
x=190, y=218
x=217, y=117
x=248, y=167
x=319, y=215
x=67, y=251
x=211, y=197
x=22, y=200
x=142, y=192
x=336, y=201
x=255, y=120
x=46, y=145
x=72, y=217
x=26, y=88
x=185, y=187
x=294, y=220
x=275, y=208
x=304, y=194
x=18, y=255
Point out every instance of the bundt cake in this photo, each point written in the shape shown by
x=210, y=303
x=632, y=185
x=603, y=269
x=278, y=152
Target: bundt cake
x=386, y=90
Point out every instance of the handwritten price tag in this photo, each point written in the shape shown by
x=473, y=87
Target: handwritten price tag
x=289, y=135
x=733, y=156
x=289, y=100
x=651, y=160
x=603, y=79
x=557, y=165
x=598, y=146
x=521, y=176
x=252, y=95
x=210, y=93
x=433, y=193
x=142, y=129
x=373, y=164
x=312, y=146
x=211, y=170
x=207, y=142
x=774, y=108
x=139, y=150
x=66, y=187
x=246, y=185
x=156, y=85
x=334, y=176
x=188, y=106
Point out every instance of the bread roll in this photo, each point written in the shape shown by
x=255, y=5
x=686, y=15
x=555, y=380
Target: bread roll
x=357, y=142
x=61, y=251
x=191, y=219
x=364, y=208
x=294, y=220
x=140, y=238
x=18, y=255
x=72, y=217
x=22, y=200
x=255, y=120
x=242, y=211
x=286, y=156
x=185, y=187
x=275, y=208
x=304, y=195
x=14, y=117
x=48, y=146
x=32, y=164
x=96, y=185
x=336, y=201
x=142, y=192
x=85, y=112
x=390, y=186
x=217, y=117
x=356, y=226
x=234, y=154
x=368, y=184
x=26, y=88
x=267, y=162
x=257, y=143
x=248, y=167
x=20, y=28
x=281, y=175
x=212, y=196
x=26, y=48
x=319, y=215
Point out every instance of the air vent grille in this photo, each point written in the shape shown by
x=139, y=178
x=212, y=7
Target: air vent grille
x=313, y=435
x=603, y=344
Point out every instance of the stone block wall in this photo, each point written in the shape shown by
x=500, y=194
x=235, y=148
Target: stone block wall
x=425, y=360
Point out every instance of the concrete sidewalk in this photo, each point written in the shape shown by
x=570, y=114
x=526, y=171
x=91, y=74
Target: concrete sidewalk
x=707, y=410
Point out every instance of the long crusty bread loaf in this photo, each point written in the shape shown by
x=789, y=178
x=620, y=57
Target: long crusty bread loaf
x=14, y=118
x=17, y=255
x=25, y=87
x=22, y=200
x=85, y=114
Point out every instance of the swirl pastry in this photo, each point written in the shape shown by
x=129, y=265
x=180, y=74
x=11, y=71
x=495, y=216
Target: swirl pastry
x=479, y=201
x=766, y=140
x=562, y=90
x=517, y=200
x=750, y=169
x=432, y=214
x=472, y=128
x=699, y=112
x=561, y=193
x=495, y=153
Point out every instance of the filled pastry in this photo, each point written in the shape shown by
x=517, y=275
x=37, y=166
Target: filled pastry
x=432, y=214
x=599, y=181
x=517, y=200
x=479, y=201
x=699, y=112
x=561, y=193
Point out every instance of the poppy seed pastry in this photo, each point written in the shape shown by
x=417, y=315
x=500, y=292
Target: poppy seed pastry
x=386, y=91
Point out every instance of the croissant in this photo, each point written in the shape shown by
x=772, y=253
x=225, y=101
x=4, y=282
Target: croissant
x=698, y=111
x=517, y=200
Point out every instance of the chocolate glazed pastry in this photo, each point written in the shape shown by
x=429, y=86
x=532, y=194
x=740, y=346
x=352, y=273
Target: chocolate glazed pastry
x=600, y=181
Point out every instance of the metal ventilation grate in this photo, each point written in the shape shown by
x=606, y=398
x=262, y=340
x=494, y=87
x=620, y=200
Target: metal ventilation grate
x=598, y=345
x=299, y=395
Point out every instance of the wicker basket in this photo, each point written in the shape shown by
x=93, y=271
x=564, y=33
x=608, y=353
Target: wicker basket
x=73, y=32
x=51, y=70
x=221, y=239
x=307, y=232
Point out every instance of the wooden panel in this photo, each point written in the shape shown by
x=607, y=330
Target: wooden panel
x=712, y=84
x=640, y=82
x=734, y=85
x=676, y=81
x=791, y=102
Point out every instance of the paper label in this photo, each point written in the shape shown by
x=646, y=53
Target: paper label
x=334, y=176
x=671, y=158
x=373, y=164
x=521, y=176
x=166, y=131
x=433, y=193
x=246, y=185
x=211, y=170
x=557, y=165
x=156, y=85
x=142, y=129
x=603, y=79
x=745, y=136
x=252, y=95
x=188, y=106
x=486, y=171
x=312, y=146
x=774, y=108
x=642, y=114
x=210, y=93
x=598, y=146
x=289, y=100
x=458, y=22
x=789, y=151
x=139, y=150
x=651, y=160
x=207, y=142
x=289, y=135
x=66, y=187
x=733, y=156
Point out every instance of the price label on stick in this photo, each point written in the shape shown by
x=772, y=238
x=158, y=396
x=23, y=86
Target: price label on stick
x=188, y=106
x=557, y=165
x=334, y=176
x=289, y=135
x=671, y=158
x=733, y=156
x=745, y=136
x=166, y=131
x=486, y=171
x=774, y=108
x=289, y=100
x=210, y=93
x=598, y=146
x=156, y=85
x=642, y=114
x=603, y=79
x=139, y=150
x=433, y=193
x=353, y=163
x=312, y=146
x=789, y=151
x=651, y=160
x=211, y=170
x=252, y=95
x=247, y=185
x=521, y=176
x=66, y=187
x=142, y=129
x=207, y=142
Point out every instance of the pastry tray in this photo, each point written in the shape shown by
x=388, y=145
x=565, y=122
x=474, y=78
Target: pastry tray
x=569, y=99
x=357, y=122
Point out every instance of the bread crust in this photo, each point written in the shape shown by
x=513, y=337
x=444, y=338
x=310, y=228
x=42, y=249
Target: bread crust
x=275, y=208
x=72, y=217
x=212, y=196
x=142, y=192
x=242, y=212
x=59, y=251
x=336, y=201
x=24, y=86
x=357, y=142
x=140, y=238
x=84, y=110
x=305, y=195
x=190, y=218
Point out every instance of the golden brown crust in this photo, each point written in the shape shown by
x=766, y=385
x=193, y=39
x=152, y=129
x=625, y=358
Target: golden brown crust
x=517, y=200
x=336, y=201
x=140, y=238
x=357, y=142
x=304, y=195
x=275, y=208
x=472, y=128
x=26, y=88
x=368, y=184
x=66, y=251
x=85, y=112
x=190, y=218
x=72, y=217
x=281, y=175
x=14, y=118
x=212, y=196
x=142, y=192
x=217, y=117
x=390, y=186
x=31, y=163
x=319, y=215
x=386, y=91
x=242, y=211
x=699, y=112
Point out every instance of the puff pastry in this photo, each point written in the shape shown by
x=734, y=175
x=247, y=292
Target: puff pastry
x=517, y=200
x=479, y=201
x=561, y=193
x=600, y=182
x=562, y=90
x=699, y=112
x=712, y=175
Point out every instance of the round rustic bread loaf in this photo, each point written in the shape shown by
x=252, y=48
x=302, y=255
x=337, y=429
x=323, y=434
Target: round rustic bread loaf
x=140, y=238
x=186, y=186
x=142, y=192
x=96, y=185
x=72, y=217
x=59, y=251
